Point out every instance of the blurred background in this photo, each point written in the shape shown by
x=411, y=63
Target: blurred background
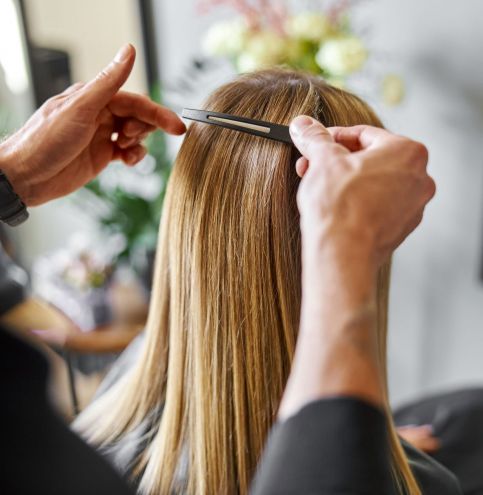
x=419, y=65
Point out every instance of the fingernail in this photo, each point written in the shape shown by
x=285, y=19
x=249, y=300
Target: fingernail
x=123, y=54
x=299, y=124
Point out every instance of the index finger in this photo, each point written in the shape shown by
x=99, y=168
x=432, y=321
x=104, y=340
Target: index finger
x=125, y=104
x=359, y=137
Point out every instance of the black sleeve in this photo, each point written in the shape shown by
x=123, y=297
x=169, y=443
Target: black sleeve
x=40, y=454
x=335, y=446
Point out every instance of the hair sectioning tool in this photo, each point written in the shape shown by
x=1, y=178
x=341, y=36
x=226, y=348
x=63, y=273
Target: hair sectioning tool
x=259, y=128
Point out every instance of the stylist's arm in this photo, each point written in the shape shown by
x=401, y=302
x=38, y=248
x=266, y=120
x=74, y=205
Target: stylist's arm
x=363, y=190
x=67, y=142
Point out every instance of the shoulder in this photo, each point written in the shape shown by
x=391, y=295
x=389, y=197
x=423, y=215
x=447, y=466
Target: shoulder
x=433, y=478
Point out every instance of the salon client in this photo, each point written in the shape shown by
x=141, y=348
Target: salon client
x=363, y=191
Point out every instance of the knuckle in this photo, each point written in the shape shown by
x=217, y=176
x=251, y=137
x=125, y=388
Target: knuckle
x=79, y=112
x=131, y=128
x=52, y=102
x=103, y=75
x=73, y=90
x=50, y=106
x=420, y=153
x=45, y=110
x=159, y=117
x=73, y=87
x=430, y=187
x=315, y=133
x=145, y=102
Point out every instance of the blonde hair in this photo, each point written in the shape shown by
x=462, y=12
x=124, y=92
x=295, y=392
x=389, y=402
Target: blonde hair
x=226, y=298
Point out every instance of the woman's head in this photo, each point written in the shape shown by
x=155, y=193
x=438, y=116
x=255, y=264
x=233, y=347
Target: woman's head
x=226, y=298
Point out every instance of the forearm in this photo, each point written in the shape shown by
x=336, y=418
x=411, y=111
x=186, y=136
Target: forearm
x=336, y=351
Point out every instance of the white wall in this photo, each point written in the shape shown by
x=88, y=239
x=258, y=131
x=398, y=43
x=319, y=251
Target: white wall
x=437, y=301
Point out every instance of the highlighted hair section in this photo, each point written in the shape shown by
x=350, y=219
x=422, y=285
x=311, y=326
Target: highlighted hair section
x=226, y=299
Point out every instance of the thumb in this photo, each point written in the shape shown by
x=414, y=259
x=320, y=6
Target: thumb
x=310, y=137
x=98, y=92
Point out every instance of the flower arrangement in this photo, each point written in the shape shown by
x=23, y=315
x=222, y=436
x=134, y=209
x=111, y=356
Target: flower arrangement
x=76, y=278
x=266, y=33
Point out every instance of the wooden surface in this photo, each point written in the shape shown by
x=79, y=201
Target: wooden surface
x=112, y=338
x=52, y=327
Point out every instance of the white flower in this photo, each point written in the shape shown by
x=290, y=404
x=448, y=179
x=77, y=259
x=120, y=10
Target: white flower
x=341, y=56
x=311, y=26
x=226, y=38
x=392, y=89
x=247, y=62
x=263, y=49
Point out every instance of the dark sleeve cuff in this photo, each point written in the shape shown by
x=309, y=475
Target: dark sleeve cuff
x=332, y=446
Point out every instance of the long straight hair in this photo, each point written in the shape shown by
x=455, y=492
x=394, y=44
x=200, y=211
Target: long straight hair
x=226, y=299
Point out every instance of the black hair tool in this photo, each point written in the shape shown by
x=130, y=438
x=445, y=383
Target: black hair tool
x=259, y=128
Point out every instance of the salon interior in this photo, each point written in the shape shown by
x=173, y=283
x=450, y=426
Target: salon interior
x=85, y=261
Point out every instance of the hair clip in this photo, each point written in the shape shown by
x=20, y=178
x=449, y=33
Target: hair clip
x=259, y=128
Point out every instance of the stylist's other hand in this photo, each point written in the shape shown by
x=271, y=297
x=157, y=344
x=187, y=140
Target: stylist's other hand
x=67, y=142
x=360, y=185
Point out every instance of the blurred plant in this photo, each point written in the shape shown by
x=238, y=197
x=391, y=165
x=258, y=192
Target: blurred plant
x=266, y=33
x=128, y=201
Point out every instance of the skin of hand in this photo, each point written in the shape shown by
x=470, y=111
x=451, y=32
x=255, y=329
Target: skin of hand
x=363, y=190
x=421, y=437
x=67, y=141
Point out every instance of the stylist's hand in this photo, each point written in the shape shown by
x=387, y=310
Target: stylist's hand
x=67, y=142
x=361, y=185
x=363, y=190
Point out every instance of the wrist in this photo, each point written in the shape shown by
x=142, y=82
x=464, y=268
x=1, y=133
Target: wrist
x=11, y=166
x=338, y=277
x=336, y=248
